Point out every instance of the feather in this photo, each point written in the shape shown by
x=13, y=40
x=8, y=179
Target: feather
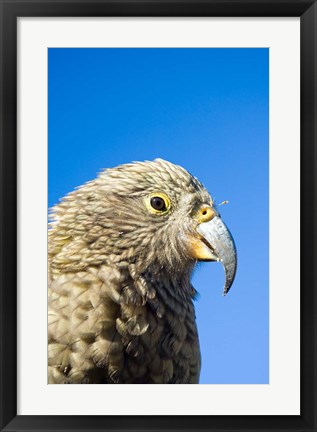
x=120, y=298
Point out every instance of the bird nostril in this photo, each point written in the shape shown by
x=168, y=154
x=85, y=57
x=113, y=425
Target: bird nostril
x=206, y=214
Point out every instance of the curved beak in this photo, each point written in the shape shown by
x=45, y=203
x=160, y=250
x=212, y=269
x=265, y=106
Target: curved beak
x=219, y=240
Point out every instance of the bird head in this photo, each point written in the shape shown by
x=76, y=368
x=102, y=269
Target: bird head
x=154, y=213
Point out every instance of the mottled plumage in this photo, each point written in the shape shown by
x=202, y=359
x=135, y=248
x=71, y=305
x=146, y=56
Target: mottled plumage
x=120, y=298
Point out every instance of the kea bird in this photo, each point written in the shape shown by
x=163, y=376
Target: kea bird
x=122, y=249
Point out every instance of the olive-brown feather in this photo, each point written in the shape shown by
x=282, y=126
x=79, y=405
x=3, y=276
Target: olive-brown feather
x=120, y=299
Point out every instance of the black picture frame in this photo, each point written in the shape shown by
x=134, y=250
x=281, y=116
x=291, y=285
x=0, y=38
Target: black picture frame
x=10, y=11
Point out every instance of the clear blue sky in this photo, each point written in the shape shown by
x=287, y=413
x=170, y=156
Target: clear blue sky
x=204, y=109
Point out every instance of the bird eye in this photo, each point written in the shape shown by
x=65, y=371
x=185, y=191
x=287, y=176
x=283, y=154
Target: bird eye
x=158, y=203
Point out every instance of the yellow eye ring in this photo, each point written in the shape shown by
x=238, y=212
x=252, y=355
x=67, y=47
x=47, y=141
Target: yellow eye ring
x=158, y=203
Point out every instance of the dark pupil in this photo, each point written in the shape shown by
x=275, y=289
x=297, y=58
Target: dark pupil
x=158, y=203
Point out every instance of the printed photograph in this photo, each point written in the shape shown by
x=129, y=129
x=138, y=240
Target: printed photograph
x=158, y=216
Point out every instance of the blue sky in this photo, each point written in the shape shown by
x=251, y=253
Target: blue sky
x=204, y=109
